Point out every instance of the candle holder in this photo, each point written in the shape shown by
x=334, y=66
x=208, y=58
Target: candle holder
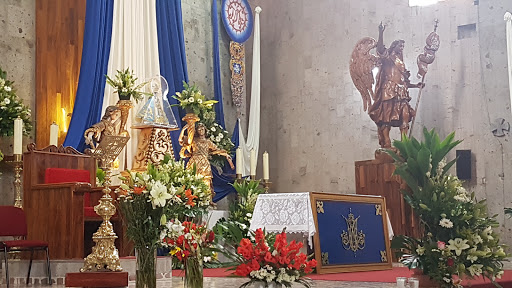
x=17, y=163
x=266, y=185
x=104, y=254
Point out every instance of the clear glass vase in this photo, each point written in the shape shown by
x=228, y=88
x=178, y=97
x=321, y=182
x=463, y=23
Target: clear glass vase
x=146, y=267
x=193, y=273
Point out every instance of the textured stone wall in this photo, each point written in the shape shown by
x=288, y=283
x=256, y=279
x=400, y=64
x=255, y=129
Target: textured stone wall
x=314, y=115
x=17, y=50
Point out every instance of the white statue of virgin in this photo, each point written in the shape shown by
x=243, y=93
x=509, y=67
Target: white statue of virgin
x=157, y=110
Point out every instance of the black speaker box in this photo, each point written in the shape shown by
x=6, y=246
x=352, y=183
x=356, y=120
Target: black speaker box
x=463, y=164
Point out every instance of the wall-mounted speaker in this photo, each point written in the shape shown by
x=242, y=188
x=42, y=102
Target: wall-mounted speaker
x=463, y=164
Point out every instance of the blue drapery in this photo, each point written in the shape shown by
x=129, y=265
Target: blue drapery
x=172, y=57
x=219, y=108
x=222, y=184
x=91, y=82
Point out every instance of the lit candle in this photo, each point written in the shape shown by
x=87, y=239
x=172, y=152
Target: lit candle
x=54, y=133
x=239, y=161
x=18, y=136
x=265, y=166
x=253, y=162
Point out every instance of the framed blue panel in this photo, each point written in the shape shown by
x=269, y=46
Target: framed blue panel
x=352, y=233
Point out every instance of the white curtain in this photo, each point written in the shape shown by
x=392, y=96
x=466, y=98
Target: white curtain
x=253, y=133
x=134, y=45
x=508, y=19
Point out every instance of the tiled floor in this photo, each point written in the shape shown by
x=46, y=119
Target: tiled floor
x=177, y=282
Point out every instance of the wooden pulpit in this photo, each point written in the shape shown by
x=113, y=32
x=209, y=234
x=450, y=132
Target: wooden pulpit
x=375, y=177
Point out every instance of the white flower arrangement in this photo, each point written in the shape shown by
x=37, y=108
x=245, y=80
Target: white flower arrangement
x=11, y=107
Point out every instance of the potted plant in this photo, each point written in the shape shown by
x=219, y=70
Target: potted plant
x=459, y=241
x=125, y=84
x=146, y=200
x=274, y=264
x=11, y=107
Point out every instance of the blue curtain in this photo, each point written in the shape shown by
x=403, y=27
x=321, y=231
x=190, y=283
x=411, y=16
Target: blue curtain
x=222, y=184
x=173, y=61
x=91, y=83
x=217, y=86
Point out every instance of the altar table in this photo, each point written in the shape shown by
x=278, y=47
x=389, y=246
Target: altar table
x=292, y=211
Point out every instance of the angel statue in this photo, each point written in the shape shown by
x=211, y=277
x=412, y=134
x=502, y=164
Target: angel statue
x=390, y=94
x=108, y=126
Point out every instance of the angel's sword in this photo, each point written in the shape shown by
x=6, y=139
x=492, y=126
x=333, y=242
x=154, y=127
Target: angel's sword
x=424, y=60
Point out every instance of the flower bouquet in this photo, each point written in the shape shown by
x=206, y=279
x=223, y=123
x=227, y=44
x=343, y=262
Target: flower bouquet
x=280, y=264
x=146, y=200
x=192, y=100
x=192, y=245
x=11, y=107
x=124, y=83
x=458, y=236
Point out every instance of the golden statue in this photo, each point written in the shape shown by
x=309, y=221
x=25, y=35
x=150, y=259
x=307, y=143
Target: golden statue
x=200, y=150
x=390, y=94
x=108, y=126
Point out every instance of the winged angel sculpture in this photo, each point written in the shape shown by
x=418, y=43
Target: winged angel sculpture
x=383, y=82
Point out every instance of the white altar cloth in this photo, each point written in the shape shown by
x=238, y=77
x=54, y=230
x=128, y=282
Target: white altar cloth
x=292, y=211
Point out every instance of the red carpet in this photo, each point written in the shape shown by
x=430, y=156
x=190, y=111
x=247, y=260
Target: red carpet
x=372, y=276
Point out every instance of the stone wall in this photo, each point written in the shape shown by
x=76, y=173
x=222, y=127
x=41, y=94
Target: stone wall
x=314, y=115
x=17, y=47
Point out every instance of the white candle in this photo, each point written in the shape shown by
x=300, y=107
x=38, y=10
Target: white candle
x=239, y=161
x=265, y=166
x=54, y=134
x=18, y=136
x=253, y=162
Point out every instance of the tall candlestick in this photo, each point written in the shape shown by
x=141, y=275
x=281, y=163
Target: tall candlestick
x=54, y=134
x=18, y=136
x=265, y=166
x=239, y=161
x=253, y=162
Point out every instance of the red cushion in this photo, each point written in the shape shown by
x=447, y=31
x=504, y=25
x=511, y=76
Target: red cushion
x=62, y=175
x=23, y=243
x=89, y=212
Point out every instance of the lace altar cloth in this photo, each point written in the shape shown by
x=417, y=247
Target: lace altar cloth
x=291, y=210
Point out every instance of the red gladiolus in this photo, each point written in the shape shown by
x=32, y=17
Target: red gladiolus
x=449, y=262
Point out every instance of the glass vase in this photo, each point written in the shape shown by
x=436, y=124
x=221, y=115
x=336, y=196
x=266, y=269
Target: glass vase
x=193, y=273
x=146, y=267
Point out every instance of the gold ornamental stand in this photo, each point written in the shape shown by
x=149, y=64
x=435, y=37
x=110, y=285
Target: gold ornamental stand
x=17, y=163
x=154, y=143
x=125, y=106
x=104, y=254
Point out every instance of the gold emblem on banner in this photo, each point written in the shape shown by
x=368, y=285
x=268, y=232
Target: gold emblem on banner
x=319, y=207
x=325, y=258
x=378, y=209
x=383, y=256
x=352, y=239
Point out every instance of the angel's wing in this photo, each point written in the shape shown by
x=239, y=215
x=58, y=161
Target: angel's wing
x=362, y=64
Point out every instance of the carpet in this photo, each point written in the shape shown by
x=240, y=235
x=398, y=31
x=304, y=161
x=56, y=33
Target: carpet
x=370, y=276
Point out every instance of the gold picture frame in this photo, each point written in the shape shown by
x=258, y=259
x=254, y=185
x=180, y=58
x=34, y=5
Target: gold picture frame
x=351, y=239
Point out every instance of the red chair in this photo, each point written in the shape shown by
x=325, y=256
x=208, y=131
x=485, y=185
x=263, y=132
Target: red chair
x=16, y=226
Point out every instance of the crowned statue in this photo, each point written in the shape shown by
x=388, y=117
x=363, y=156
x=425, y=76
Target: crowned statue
x=383, y=82
x=157, y=110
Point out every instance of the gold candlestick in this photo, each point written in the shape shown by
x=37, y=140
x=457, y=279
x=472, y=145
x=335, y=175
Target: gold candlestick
x=17, y=163
x=104, y=254
x=266, y=185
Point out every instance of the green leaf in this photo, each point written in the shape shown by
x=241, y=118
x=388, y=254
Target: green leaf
x=424, y=160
